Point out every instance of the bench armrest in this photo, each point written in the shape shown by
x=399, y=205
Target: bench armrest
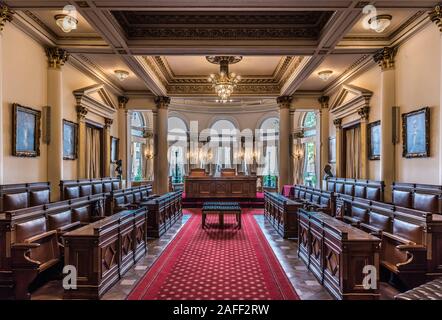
x=397, y=238
x=44, y=235
x=411, y=247
x=20, y=255
x=69, y=227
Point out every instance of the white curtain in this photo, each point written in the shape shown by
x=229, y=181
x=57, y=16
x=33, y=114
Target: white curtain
x=353, y=150
x=93, y=153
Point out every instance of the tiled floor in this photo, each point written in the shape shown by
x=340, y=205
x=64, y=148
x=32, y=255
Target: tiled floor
x=305, y=284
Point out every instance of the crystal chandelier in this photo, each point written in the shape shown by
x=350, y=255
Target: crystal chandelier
x=224, y=82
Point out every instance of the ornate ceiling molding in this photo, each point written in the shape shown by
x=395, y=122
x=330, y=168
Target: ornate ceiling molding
x=436, y=16
x=5, y=15
x=86, y=102
x=350, y=100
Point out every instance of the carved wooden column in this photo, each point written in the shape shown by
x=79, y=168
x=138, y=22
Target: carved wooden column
x=436, y=17
x=56, y=59
x=340, y=170
x=124, y=134
x=324, y=115
x=161, y=163
x=81, y=117
x=107, y=146
x=284, y=140
x=385, y=59
x=5, y=16
x=363, y=113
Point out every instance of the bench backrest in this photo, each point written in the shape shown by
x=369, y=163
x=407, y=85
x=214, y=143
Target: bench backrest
x=359, y=188
x=418, y=196
x=25, y=195
x=72, y=189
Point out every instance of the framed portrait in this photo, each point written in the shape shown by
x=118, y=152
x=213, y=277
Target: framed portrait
x=416, y=133
x=26, y=131
x=115, y=142
x=374, y=140
x=332, y=150
x=70, y=140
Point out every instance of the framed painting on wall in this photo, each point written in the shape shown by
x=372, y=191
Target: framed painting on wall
x=70, y=140
x=416, y=133
x=114, y=149
x=26, y=131
x=332, y=150
x=374, y=140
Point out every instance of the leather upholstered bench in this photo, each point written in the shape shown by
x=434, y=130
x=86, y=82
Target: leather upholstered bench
x=428, y=291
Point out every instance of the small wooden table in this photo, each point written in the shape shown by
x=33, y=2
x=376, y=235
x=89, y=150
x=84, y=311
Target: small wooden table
x=221, y=208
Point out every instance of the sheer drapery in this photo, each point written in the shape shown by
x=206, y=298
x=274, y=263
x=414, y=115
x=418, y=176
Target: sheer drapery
x=93, y=153
x=353, y=149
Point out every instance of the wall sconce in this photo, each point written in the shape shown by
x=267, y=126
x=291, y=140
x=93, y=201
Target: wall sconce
x=298, y=153
x=149, y=153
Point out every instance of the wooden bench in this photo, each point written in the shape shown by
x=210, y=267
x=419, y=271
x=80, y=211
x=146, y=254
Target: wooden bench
x=315, y=199
x=24, y=195
x=281, y=213
x=30, y=240
x=71, y=189
x=422, y=197
x=411, y=239
x=164, y=211
x=127, y=199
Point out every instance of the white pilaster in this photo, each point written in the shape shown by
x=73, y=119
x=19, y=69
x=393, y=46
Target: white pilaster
x=161, y=163
x=284, y=140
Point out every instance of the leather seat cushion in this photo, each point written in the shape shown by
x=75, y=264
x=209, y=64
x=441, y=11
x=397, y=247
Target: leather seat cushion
x=428, y=291
x=38, y=198
x=15, y=201
x=29, y=229
x=85, y=190
x=425, y=202
x=349, y=189
x=72, y=192
x=409, y=231
x=97, y=188
x=402, y=198
x=359, y=213
x=81, y=214
x=107, y=187
x=360, y=192
x=58, y=220
x=373, y=194
x=379, y=221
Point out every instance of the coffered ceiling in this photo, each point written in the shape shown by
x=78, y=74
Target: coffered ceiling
x=163, y=44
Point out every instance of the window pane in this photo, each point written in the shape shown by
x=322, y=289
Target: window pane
x=310, y=120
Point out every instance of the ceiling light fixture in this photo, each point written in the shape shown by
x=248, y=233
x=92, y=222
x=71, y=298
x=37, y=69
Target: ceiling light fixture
x=68, y=20
x=380, y=22
x=325, y=75
x=224, y=82
x=121, y=74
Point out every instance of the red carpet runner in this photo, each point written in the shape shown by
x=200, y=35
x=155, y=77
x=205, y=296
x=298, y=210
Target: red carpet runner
x=216, y=264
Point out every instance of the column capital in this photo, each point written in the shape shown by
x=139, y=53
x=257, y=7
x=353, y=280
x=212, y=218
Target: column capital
x=162, y=102
x=436, y=16
x=324, y=100
x=57, y=57
x=108, y=123
x=364, y=113
x=385, y=57
x=5, y=15
x=122, y=102
x=338, y=123
x=284, y=102
x=81, y=112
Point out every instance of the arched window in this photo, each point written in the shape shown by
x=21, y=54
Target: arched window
x=138, y=145
x=269, y=136
x=223, y=142
x=177, y=139
x=309, y=127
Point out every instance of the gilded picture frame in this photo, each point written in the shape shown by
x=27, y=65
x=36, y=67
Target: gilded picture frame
x=70, y=140
x=416, y=133
x=374, y=140
x=26, y=131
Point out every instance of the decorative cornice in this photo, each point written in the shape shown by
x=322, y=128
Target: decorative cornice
x=56, y=57
x=338, y=123
x=324, y=101
x=207, y=89
x=81, y=112
x=436, y=16
x=284, y=102
x=162, y=102
x=385, y=57
x=364, y=112
x=5, y=15
x=108, y=123
x=122, y=102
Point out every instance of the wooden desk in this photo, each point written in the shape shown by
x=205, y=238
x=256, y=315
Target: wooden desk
x=220, y=187
x=336, y=253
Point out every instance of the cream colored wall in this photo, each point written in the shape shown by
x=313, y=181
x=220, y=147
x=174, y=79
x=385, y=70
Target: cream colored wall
x=25, y=82
x=417, y=85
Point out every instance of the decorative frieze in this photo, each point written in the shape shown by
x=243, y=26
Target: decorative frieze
x=57, y=57
x=122, y=102
x=284, y=102
x=162, y=102
x=5, y=15
x=385, y=57
x=436, y=16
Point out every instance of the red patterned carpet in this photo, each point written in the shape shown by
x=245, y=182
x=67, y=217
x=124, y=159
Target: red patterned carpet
x=216, y=264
